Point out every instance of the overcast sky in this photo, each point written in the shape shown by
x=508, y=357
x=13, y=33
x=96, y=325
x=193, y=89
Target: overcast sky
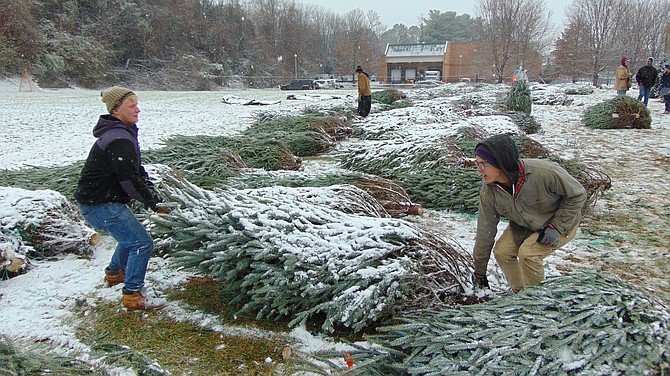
x=409, y=12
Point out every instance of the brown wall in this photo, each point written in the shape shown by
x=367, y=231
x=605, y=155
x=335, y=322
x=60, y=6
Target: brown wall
x=459, y=62
x=381, y=72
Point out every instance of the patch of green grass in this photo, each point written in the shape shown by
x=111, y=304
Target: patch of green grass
x=625, y=230
x=204, y=294
x=621, y=227
x=185, y=348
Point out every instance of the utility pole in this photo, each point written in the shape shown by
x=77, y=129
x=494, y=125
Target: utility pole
x=295, y=57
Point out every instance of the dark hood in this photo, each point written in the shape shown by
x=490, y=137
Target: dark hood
x=107, y=122
x=506, y=153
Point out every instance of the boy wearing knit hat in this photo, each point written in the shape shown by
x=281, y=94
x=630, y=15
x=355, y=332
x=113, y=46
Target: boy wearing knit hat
x=111, y=178
x=541, y=201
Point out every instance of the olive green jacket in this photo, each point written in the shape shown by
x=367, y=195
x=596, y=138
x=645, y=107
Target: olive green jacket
x=546, y=194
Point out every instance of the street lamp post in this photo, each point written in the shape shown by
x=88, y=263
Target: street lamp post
x=460, y=66
x=295, y=57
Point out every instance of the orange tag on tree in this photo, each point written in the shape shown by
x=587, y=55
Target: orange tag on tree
x=349, y=360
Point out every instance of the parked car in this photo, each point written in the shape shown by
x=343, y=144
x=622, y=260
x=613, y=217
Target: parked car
x=325, y=84
x=427, y=83
x=299, y=84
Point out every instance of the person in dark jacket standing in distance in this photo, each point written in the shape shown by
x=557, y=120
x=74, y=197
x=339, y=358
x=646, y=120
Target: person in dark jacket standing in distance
x=112, y=176
x=646, y=79
x=541, y=201
x=665, y=88
x=364, y=92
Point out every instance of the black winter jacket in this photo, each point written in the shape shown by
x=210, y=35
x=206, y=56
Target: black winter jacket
x=113, y=171
x=646, y=76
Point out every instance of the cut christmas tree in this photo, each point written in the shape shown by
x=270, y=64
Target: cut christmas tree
x=293, y=253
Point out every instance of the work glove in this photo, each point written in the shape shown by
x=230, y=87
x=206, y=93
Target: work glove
x=162, y=211
x=549, y=236
x=480, y=281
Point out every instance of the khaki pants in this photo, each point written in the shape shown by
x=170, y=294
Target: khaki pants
x=523, y=265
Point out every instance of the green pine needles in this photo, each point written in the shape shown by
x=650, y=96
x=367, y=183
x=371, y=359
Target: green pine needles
x=291, y=253
x=584, y=323
x=621, y=112
x=519, y=98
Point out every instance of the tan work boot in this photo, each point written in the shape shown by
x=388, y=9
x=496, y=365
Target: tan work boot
x=114, y=277
x=135, y=300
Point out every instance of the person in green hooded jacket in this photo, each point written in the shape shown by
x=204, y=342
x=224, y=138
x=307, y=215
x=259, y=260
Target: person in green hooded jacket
x=541, y=201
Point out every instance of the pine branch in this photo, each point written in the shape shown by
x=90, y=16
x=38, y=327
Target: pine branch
x=585, y=323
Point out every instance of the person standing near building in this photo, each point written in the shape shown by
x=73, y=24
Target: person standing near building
x=111, y=178
x=623, y=75
x=364, y=92
x=542, y=202
x=646, y=79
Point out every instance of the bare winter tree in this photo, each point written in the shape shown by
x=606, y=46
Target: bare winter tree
x=18, y=24
x=288, y=29
x=641, y=29
x=358, y=42
x=570, y=55
x=511, y=29
x=596, y=27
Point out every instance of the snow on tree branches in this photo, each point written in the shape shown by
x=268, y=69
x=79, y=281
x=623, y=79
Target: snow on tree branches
x=290, y=252
x=621, y=112
x=582, y=323
x=45, y=221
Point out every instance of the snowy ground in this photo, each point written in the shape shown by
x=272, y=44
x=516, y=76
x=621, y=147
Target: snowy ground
x=628, y=234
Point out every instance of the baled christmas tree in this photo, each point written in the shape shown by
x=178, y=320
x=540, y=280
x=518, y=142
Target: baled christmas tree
x=288, y=252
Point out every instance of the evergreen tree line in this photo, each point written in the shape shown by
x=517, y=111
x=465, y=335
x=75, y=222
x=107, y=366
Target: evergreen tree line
x=200, y=44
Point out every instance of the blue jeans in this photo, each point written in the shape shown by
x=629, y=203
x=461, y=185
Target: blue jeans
x=134, y=242
x=644, y=93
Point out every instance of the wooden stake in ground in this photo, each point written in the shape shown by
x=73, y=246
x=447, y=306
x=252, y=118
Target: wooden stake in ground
x=25, y=77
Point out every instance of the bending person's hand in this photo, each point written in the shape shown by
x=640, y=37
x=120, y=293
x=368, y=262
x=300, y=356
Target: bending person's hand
x=549, y=236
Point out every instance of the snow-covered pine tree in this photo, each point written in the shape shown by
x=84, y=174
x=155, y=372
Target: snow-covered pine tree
x=46, y=221
x=281, y=255
x=519, y=98
x=583, y=323
x=620, y=112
